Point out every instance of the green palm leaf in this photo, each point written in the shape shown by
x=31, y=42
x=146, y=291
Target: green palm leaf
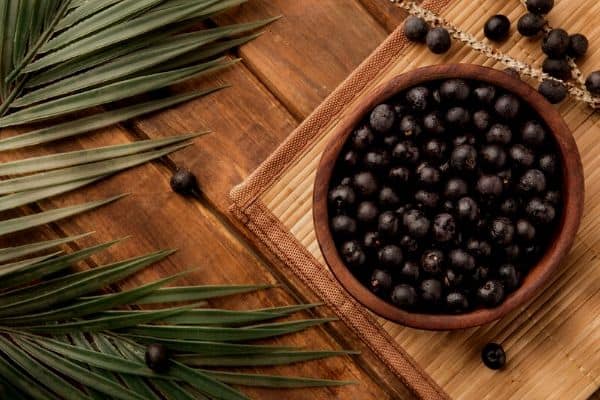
x=11, y=253
x=273, y=381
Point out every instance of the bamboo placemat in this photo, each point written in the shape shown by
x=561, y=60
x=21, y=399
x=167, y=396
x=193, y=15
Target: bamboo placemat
x=553, y=342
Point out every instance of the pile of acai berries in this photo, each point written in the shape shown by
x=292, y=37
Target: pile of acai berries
x=445, y=196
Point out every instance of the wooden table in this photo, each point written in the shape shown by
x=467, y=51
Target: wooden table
x=285, y=74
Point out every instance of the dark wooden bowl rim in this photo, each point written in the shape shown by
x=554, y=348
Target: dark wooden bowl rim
x=573, y=195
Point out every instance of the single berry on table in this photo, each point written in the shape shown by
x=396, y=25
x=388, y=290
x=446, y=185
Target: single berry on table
x=497, y=27
x=157, y=357
x=592, y=83
x=558, y=68
x=578, y=45
x=530, y=24
x=540, y=6
x=184, y=182
x=438, y=40
x=556, y=43
x=415, y=29
x=553, y=91
x=493, y=355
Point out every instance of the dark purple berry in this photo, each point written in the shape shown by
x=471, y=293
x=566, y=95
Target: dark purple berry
x=464, y=139
x=157, y=357
x=578, y=45
x=512, y=252
x=353, y=254
x=438, y=40
x=509, y=207
x=362, y=138
x=427, y=176
x=540, y=211
x=342, y=197
x=533, y=133
x=502, y=231
x=416, y=223
x=391, y=141
x=592, y=83
x=432, y=262
x=458, y=117
x=399, y=175
x=467, y=209
x=372, y=241
x=509, y=276
x=410, y=127
x=382, y=118
x=381, y=282
x=455, y=188
x=365, y=183
x=427, y=199
x=388, y=224
x=481, y=273
x=444, y=227
x=388, y=198
x=391, y=256
x=404, y=296
x=557, y=67
x=433, y=123
x=521, y=156
x=452, y=278
x=491, y=293
x=461, y=260
x=482, y=120
x=499, y=133
x=540, y=7
x=417, y=97
x=376, y=160
x=493, y=156
x=184, y=182
x=434, y=149
x=367, y=212
x=350, y=159
x=415, y=29
x=497, y=27
x=507, y=106
x=343, y=226
x=552, y=197
x=490, y=186
x=532, y=181
x=556, y=43
x=485, y=94
x=553, y=91
x=464, y=158
x=530, y=24
x=479, y=248
x=454, y=90
x=493, y=355
x=431, y=291
x=406, y=153
x=548, y=164
x=410, y=271
x=456, y=302
x=409, y=244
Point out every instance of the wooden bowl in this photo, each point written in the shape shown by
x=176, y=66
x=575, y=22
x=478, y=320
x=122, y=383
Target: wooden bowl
x=573, y=195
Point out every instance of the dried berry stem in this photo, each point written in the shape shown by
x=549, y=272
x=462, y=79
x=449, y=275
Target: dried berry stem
x=578, y=93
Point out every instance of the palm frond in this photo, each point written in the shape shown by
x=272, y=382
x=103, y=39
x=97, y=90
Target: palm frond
x=63, y=333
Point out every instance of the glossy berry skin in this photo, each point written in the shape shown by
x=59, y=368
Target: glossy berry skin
x=485, y=94
x=434, y=123
x=509, y=276
x=492, y=156
x=432, y=262
x=362, y=138
x=525, y=230
x=410, y=126
x=532, y=181
x=530, y=24
x=467, y=209
x=438, y=40
x=371, y=241
x=499, y=133
x=479, y=248
x=382, y=118
x=404, y=296
x=533, y=133
x=548, y=164
x=455, y=188
x=353, y=254
x=493, y=356
x=507, y=106
x=552, y=197
x=410, y=271
x=409, y=244
x=521, y=156
x=388, y=224
x=558, y=68
x=444, y=227
x=184, y=182
x=502, y=231
x=427, y=199
x=497, y=27
x=490, y=186
x=491, y=293
x=427, y=176
x=482, y=120
x=464, y=158
x=454, y=90
x=431, y=291
x=417, y=98
x=381, y=282
x=342, y=197
x=391, y=256
x=416, y=224
x=343, y=226
x=388, y=198
x=367, y=212
x=434, y=149
x=406, y=153
x=461, y=260
x=540, y=6
x=456, y=302
x=578, y=45
x=376, y=160
x=592, y=83
x=365, y=184
x=553, y=91
x=157, y=357
x=453, y=278
x=540, y=211
x=415, y=29
x=458, y=117
x=556, y=43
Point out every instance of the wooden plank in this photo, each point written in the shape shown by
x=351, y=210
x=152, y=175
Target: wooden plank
x=158, y=218
x=386, y=13
x=310, y=50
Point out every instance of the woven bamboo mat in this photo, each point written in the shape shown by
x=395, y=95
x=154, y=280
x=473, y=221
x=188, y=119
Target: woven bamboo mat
x=553, y=343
